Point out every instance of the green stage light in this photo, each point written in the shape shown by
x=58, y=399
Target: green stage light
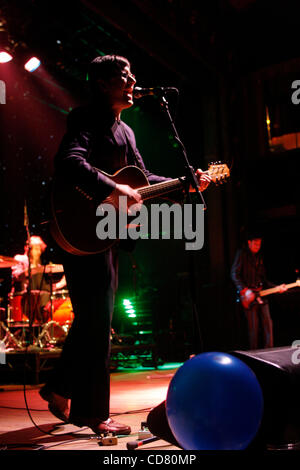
x=131, y=310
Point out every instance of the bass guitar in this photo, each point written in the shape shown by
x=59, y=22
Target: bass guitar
x=257, y=294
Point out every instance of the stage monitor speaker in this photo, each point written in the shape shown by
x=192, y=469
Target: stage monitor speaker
x=158, y=425
x=279, y=376
x=278, y=373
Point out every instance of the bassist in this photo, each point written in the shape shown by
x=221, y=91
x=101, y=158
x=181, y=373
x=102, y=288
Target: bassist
x=249, y=276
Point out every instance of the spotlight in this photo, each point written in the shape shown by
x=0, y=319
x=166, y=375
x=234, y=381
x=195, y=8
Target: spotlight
x=32, y=64
x=5, y=57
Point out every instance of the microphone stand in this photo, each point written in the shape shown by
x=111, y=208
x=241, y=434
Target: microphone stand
x=190, y=179
x=134, y=279
x=26, y=223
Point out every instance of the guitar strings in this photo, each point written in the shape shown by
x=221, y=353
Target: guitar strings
x=159, y=187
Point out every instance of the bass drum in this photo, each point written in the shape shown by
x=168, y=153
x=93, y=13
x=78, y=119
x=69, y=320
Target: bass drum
x=62, y=308
x=24, y=308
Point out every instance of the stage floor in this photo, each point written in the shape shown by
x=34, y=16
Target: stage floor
x=133, y=394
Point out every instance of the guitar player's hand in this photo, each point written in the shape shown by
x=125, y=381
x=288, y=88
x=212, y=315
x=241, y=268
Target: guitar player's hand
x=125, y=190
x=204, y=180
x=133, y=196
x=282, y=288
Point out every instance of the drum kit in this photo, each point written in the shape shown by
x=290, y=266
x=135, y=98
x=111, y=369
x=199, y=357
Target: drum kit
x=36, y=318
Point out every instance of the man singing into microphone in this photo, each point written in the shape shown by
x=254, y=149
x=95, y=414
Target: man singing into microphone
x=96, y=137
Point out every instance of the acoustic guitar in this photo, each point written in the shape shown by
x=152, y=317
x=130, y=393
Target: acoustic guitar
x=74, y=219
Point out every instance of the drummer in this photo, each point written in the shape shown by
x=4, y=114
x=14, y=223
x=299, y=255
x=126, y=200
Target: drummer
x=38, y=280
x=20, y=270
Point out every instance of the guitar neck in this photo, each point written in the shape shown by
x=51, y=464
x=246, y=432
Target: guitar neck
x=159, y=189
x=274, y=290
x=217, y=172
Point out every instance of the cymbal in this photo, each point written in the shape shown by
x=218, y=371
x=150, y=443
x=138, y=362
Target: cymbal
x=7, y=262
x=48, y=269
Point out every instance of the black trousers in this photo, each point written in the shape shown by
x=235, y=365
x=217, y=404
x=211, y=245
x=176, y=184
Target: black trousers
x=258, y=317
x=82, y=373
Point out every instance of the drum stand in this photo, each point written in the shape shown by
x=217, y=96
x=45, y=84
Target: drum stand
x=45, y=334
x=50, y=340
x=10, y=339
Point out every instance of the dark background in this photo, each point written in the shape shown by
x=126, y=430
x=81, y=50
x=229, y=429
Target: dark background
x=231, y=60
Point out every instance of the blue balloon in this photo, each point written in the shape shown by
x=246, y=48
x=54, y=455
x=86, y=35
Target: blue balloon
x=214, y=402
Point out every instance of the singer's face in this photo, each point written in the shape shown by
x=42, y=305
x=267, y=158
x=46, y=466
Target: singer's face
x=119, y=90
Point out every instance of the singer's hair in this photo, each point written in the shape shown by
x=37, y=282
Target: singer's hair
x=105, y=67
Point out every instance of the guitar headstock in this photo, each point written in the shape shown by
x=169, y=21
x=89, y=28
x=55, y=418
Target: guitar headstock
x=219, y=172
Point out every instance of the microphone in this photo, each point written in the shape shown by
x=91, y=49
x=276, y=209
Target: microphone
x=156, y=91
